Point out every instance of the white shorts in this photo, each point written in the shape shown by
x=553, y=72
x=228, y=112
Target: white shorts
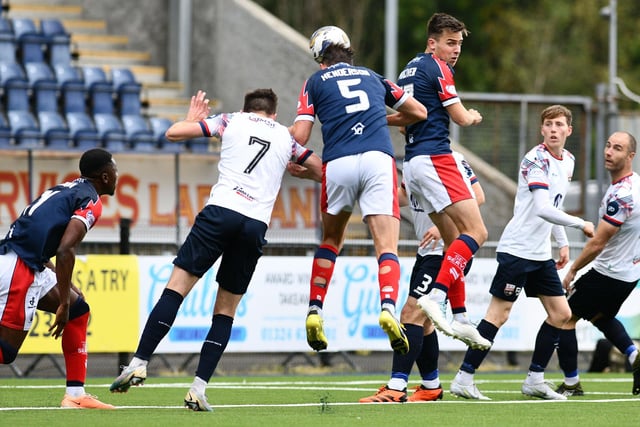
x=20, y=290
x=436, y=181
x=367, y=178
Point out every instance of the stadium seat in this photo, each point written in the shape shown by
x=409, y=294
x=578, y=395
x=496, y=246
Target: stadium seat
x=24, y=129
x=111, y=132
x=15, y=85
x=44, y=86
x=5, y=26
x=72, y=90
x=159, y=126
x=8, y=47
x=5, y=134
x=82, y=130
x=127, y=91
x=54, y=131
x=100, y=90
x=32, y=44
x=139, y=133
x=198, y=145
x=59, y=41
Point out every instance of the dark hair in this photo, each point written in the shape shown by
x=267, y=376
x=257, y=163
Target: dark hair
x=264, y=100
x=439, y=22
x=334, y=54
x=93, y=161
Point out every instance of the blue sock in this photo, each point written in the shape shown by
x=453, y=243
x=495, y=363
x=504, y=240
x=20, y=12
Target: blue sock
x=568, y=352
x=615, y=332
x=159, y=322
x=214, y=345
x=473, y=357
x=427, y=360
x=546, y=342
x=403, y=363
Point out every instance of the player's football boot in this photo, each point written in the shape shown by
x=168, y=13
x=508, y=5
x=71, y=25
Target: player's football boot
x=395, y=331
x=436, y=312
x=386, y=395
x=197, y=401
x=423, y=394
x=468, y=334
x=467, y=391
x=86, y=401
x=315, y=334
x=543, y=390
x=570, y=390
x=129, y=376
x=636, y=375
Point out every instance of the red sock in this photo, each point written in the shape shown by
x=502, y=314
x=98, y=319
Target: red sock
x=74, y=349
x=457, y=295
x=388, y=277
x=321, y=275
x=453, y=263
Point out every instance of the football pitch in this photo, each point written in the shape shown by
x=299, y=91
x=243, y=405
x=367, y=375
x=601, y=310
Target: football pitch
x=330, y=400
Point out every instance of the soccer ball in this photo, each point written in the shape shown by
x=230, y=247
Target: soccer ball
x=325, y=36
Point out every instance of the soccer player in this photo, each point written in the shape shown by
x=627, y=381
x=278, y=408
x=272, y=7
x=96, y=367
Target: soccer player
x=598, y=294
x=525, y=258
x=423, y=341
x=358, y=166
x=437, y=184
x=254, y=155
x=54, y=224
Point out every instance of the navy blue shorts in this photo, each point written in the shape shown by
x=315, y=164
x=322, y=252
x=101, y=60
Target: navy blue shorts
x=595, y=293
x=424, y=273
x=216, y=232
x=535, y=277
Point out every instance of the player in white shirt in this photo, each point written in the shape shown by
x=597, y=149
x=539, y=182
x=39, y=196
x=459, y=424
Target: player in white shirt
x=254, y=155
x=525, y=258
x=615, y=249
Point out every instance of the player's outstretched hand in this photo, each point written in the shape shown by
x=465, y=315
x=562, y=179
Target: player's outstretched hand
x=199, y=107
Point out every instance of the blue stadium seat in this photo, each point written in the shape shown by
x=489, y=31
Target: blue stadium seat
x=32, y=44
x=127, y=91
x=72, y=90
x=139, y=133
x=82, y=130
x=44, y=86
x=159, y=126
x=54, y=131
x=111, y=132
x=59, y=41
x=198, y=145
x=5, y=134
x=24, y=129
x=16, y=87
x=100, y=90
x=5, y=26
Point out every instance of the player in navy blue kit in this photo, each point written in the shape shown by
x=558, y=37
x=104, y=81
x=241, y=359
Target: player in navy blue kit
x=358, y=167
x=53, y=225
x=254, y=155
x=437, y=183
x=614, y=250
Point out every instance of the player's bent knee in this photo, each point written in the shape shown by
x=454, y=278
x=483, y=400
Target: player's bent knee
x=78, y=308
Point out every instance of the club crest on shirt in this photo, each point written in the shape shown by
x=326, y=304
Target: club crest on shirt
x=612, y=208
x=358, y=128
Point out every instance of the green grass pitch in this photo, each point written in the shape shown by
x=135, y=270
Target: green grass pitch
x=319, y=401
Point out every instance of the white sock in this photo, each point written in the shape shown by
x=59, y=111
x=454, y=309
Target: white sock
x=438, y=295
x=397, y=384
x=135, y=362
x=534, y=377
x=572, y=380
x=198, y=385
x=390, y=307
x=75, y=391
x=431, y=384
x=464, y=378
x=461, y=317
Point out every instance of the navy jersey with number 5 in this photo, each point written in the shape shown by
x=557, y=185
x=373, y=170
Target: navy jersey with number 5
x=349, y=102
x=35, y=235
